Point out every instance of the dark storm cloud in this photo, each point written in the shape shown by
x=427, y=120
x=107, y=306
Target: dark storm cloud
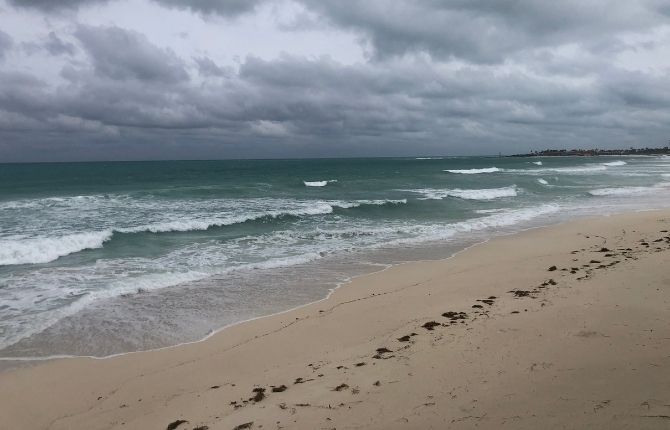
x=473, y=30
x=482, y=30
x=220, y=7
x=6, y=43
x=54, y=5
x=510, y=88
x=296, y=106
x=124, y=54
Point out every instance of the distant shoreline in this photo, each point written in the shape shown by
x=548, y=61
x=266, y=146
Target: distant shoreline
x=594, y=152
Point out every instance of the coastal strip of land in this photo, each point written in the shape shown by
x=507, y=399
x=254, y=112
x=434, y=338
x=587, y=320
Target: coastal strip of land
x=559, y=327
x=596, y=152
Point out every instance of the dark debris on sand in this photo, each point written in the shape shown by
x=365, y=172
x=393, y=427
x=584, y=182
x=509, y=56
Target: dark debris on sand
x=521, y=293
x=174, y=424
x=430, y=325
x=259, y=394
x=455, y=315
x=244, y=426
x=380, y=354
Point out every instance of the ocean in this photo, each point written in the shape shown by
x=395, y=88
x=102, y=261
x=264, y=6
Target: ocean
x=99, y=259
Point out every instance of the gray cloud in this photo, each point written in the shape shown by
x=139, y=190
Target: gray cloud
x=54, y=5
x=220, y=7
x=51, y=44
x=123, y=54
x=6, y=43
x=57, y=46
x=510, y=89
x=207, y=67
x=294, y=106
x=486, y=31
x=473, y=30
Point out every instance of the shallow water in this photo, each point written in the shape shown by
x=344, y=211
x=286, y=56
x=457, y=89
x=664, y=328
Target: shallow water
x=103, y=258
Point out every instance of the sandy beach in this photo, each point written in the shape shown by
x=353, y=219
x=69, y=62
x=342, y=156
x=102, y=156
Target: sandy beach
x=558, y=327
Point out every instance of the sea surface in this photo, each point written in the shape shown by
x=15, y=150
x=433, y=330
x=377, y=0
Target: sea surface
x=104, y=258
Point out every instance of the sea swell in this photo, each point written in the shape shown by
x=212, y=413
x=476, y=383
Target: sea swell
x=16, y=250
x=473, y=194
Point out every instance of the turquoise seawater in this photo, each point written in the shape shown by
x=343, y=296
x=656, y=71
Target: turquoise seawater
x=103, y=258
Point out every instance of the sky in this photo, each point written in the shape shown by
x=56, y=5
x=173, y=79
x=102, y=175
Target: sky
x=211, y=79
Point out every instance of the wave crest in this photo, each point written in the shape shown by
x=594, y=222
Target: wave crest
x=318, y=183
x=47, y=249
x=628, y=191
x=478, y=194
x=474, y=171
x=38, y=250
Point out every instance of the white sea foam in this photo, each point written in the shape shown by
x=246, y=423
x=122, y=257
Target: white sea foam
x=477, y=194
x=45, y=249
x=428, y=158
x=78, y=284
x=537, y=163
x=542, y=181
x=630, y=191
x=36, y=250
x=383, y=202
x=200, y=224
x=474, y=171
x=590, y=168
x=508, y=218
x=501, y=219
x=129, y=285
x=583, y=169
x=490, y=211
x=318, y=183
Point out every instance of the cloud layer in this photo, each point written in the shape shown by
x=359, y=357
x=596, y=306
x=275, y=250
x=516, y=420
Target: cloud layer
x=440, y=77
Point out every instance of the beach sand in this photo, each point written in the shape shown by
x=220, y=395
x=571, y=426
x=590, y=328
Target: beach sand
x=560, y=327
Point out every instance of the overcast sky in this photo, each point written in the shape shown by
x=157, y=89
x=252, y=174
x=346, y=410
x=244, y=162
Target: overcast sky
x=194, y=79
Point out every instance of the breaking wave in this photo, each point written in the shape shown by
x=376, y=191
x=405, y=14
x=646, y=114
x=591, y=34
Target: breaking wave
x=629, y=191
x=481, y=194
x=318, y=183
x=46, y=249
x=38, y=250
x=475, y=171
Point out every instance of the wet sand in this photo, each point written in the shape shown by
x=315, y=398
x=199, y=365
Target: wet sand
x=559, y=327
